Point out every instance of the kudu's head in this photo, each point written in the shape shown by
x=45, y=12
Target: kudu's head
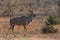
x=30, y=10
x=33, y=15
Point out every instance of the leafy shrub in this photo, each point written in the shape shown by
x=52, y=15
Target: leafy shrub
x=51, y=21
x=49, y=30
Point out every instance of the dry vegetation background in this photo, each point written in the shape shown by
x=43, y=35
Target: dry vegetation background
x=14, y=7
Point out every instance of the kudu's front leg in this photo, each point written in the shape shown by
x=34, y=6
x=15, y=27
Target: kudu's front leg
x=25, y=30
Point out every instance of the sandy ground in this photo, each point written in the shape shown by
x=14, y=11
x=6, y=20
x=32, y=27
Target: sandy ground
x=31, y=37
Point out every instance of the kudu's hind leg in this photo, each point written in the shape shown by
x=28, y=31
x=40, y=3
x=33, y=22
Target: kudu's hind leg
x=13, y=29
x=8, y=31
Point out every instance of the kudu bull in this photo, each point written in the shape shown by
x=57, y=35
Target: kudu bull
x=23, y=20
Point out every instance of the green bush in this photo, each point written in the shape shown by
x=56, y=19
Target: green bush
x=49, y=30
x=51, y=21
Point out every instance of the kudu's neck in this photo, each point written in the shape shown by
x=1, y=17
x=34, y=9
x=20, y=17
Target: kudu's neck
x=30, y=17
x=31, y=14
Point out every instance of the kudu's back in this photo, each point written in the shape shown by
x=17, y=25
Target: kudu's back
x=18, y=20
